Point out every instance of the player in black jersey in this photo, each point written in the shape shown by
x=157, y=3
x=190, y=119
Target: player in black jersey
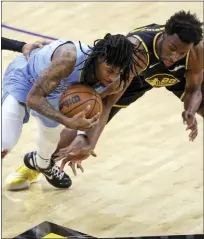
x=172, y=58
x=175, y=61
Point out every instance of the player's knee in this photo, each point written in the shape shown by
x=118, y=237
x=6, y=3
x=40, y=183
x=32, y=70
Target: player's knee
x=11, y=130
x=9, y=140
x=4, y=152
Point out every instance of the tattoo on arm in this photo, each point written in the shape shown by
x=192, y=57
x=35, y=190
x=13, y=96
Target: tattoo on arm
x=61, y=66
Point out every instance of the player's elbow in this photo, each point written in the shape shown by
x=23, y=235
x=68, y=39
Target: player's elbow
x=195, y=91
x=108, y=103
x=32, y=101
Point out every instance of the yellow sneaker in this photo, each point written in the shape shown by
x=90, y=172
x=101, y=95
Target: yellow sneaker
x=21, y=178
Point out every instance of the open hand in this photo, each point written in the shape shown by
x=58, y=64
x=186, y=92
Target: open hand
x=77, y=151
x=29, y=47
x=190, y=120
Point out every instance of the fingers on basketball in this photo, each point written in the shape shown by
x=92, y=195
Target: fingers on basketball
x=84, y=112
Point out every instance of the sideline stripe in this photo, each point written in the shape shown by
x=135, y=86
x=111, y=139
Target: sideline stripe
x=27, y=32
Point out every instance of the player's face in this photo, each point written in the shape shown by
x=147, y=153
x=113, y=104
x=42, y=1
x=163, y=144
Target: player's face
x=107, y=74
x=173, y=49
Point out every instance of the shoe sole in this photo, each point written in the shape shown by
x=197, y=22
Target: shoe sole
x=21, y=186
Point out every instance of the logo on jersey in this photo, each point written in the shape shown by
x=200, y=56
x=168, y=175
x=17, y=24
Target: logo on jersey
x=161, y=80
x=177, y=68
x=151, y=66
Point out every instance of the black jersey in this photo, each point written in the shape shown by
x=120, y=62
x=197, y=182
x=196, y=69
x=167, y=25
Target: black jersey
x=157, y=74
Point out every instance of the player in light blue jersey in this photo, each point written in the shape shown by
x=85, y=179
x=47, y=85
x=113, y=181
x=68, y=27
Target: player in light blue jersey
x=35, y=86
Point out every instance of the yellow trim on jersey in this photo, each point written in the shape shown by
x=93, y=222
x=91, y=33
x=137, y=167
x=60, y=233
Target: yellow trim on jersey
x=139, y=29
x=147, y=28
x=154, y=44
x=145, y=47
x=187, y=58
x=182, y=96
x=121, y=106
x=161, y=74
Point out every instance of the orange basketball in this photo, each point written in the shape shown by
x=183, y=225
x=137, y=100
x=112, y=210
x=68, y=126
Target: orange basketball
x=77, y=97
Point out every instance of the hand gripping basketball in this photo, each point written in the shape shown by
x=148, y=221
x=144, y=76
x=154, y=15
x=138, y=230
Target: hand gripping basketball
x=80, y=122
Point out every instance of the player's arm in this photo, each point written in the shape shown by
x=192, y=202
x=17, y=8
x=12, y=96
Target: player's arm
x=62, y=65
x=194, y=78
x=202, y=47
x=25, y=48
x=12, y=45
x=193, y=94
x=82, y=147
x=109, y=101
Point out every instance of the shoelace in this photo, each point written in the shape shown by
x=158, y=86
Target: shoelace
x=55, y=171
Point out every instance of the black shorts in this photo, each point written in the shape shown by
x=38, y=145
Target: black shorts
x=139, y=87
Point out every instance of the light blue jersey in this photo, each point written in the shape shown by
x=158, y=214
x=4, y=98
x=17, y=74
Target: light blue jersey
x=21, y=75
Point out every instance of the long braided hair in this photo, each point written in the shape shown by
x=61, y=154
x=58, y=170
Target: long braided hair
x=116, y=50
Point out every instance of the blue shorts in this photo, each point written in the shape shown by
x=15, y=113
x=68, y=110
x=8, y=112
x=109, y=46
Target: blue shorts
x=18, y=83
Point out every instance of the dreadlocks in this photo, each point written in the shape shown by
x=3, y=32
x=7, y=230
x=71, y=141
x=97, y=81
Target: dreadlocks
x=115, y=50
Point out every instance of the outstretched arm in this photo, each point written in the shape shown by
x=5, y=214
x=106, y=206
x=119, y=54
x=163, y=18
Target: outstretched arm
x=193, y=94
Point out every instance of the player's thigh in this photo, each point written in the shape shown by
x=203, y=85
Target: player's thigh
x=14, y=114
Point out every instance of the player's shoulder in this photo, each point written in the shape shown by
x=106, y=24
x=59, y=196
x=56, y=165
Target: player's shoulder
x=143, y=37
x=196, y=56
x=198, y=49
x=66, y=50
x=154, y=27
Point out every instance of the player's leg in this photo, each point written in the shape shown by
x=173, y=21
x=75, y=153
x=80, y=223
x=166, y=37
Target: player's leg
x=40, y=161
x=47, y=138
x=136, y=89
x=13, y=114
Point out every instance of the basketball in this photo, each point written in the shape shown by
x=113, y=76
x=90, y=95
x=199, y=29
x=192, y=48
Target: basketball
x=76, y=98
